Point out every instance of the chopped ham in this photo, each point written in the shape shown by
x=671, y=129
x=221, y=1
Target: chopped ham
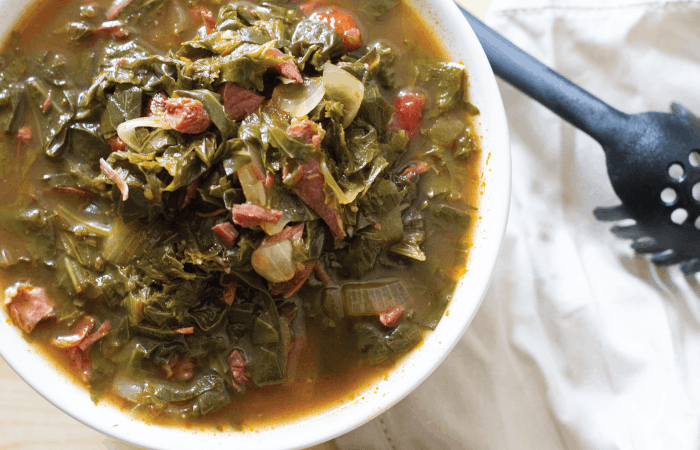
x=155, y=106
x=186, y=115
x=80, y=192
x=343, y=22
x=24, y=135
x=116, y=178
x=47, y=104
x=190, y=193
x=96, y=336
x=238, y=368
x=309, y=184
x=27, y=305
x=305, y=129
x=288, y=288
x=205, y=15
x=186, y=330
x=115, y=28
x=80, y=362
x=409, y=113
x=116, y=8
x=310, y=6
x=297, y=345
x=182, y=367
x=287, y=68
x=229, y=293
x=239, y=102
x=294, y=233
x=322, y=275
x=416, y=169
x=116, y=143
x=250, y=215
x=77, y=334
x=226, y=232
x=392, y=317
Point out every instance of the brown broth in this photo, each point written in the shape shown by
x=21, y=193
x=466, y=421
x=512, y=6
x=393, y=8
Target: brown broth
x=329, y=372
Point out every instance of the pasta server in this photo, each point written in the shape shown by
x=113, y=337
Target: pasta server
x=653, y=158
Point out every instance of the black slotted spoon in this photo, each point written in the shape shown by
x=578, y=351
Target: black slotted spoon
x=653, y=158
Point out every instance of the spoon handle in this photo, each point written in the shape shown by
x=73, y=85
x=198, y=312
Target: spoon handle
x=567, y=100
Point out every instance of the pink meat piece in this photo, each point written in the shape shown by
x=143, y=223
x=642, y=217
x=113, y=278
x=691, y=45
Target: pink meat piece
x=186, y=115
x=238, y=368
x=288, y=288
x=80, y=362
x=392, y=317
x=239, y=102
x=226, y=232
x=155, y=106
x=27, y=305
x=96, y=336
x=287, y=68
x=186, y=330
x=182, y=367
x=116, y=178
x=77, y=334
x=294, y=233
x=322, y=275
x=416, y=169
x=250, y=215
x=298, y=344
x=305, y=129
x=229, y=293
x=116, y=7
x=309, y=186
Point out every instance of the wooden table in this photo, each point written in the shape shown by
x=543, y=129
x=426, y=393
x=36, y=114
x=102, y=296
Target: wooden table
x=29, y=422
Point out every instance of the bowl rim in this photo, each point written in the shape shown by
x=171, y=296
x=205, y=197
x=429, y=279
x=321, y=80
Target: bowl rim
x=311, y=429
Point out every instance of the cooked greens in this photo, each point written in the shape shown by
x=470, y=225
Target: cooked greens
x=218, y=193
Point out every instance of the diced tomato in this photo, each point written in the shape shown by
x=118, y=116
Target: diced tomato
x=250, y=215
x=416, y=169
x=343, y=22
x=307, y=129
x=288, y=288
x=409, y=112
x=226, y=232
x=116, y=143
x=27, y=305
x=116, y=178
x=186, y=115
x=229, y=293
x=96, y=336
x=239, y=102
x=80, y=192
x=309, y=184
x=155, y=106
x=238, y=369
x=392, y=317
x=287, y=68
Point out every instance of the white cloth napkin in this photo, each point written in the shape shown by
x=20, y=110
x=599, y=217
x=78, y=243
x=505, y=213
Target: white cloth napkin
x=579, y=343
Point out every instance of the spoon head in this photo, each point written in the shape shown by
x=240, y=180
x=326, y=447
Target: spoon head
x=655, y=171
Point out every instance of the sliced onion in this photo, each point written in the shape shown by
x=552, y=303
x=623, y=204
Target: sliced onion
x=275, y=262
x=127, y=130
x=298, y=100
x=371, y=298
x=253, y=188
x=343, y=197
x=344, y=88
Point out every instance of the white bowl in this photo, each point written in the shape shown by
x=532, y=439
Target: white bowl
x=74, y=399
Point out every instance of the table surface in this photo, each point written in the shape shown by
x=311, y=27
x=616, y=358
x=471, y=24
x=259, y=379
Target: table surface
x=27, y=421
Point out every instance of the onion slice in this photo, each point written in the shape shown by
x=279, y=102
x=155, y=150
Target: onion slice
x=298, y=100
x=344, y=88
x=127, y=130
